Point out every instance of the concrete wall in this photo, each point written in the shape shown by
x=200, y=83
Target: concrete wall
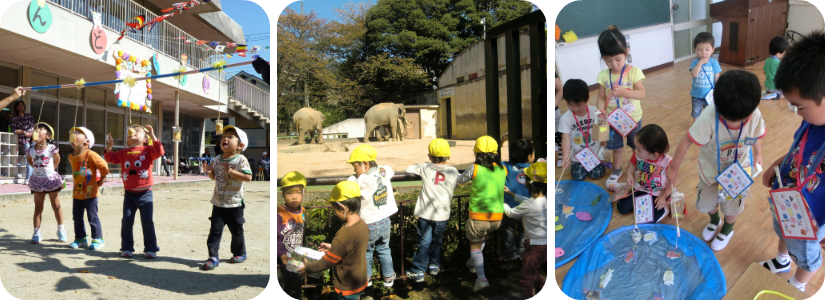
x=353, y=127
x=428, y=124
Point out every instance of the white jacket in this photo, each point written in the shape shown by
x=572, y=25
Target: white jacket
x=437, y=186
x=534, y=215
x=376, y=188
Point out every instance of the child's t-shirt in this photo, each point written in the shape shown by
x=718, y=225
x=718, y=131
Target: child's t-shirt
x=290, y=230
x=515, y=181
x=631, y=76
x=437, y=186
x=568, y=125
x=229, y=189
x=44, y=178
x=84, y=172
x=814, y=190
x=486, y=193
x=703, y=134
x=771, y=65
x=646, y=169
x=348, y=254
x=136, y=165
x=533, y=212
x=376, y=188
x=706, y=80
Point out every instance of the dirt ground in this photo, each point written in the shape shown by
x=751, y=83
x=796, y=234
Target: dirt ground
x=397, y=155
x=53, y=270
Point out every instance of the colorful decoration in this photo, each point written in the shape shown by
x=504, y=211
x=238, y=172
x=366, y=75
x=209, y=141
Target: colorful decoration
x=651, y=237
x=40, y=16
x=584, y=216
x=559, y=252
x=141, y=19
x=567, y=211
x=668, y=277
x=658, y=296
x=637, y=235
x=605, y=278
x=80, y=83
x=673, y=254
x=132, y=93
x=98, y=37
x=558, y=33
x=630, y=256
x=599, y=197
x=206, y=84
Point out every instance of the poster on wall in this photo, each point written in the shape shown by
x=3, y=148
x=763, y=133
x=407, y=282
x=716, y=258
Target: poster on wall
x=40, y=16
x=98, y=36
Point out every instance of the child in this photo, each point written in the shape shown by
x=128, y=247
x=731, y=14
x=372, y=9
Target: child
x=376, y=207
x=777, y=49
x=230, y=171
x=708, y=68
x=347, y=253
x=651, y=161
x=136, y=164
x=486, y=202
x=577, y=130
x=521, y=155
x=725, y=132
x=85, y=168
x=558, y=117
x=44, y=158
x=534, y=213
x=799, y=78
x=626, y=89
x=432, y=208
x=290, y=222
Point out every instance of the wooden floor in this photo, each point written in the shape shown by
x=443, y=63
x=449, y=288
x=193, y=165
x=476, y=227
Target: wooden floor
x=668, y=105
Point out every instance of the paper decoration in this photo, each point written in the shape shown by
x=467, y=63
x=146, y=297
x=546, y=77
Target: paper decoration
x=40, y=16
x=155, y=64
x=230, y=45
x=621, y=122
x=242, y=54
x=734, y=180
x=97, y=38
x=709, y=98
x=255, y=49
x=206, y=84
x=220, y=48
x=135, y=95
x=793, y=214
x=644, y=209
x=240, y=49
x=588, y=159
x=201, y=42
x=141, y=19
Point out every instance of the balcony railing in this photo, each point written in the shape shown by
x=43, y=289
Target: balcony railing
x=249, y=94
x=164, y=37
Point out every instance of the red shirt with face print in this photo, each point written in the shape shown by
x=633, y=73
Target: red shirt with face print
x=136, y=165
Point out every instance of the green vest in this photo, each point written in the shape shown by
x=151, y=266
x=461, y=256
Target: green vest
x=487, y=196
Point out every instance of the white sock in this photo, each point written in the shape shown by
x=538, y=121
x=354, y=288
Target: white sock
x=782, y=258
x=37, y=231
x=60, y=228
x=797, y=284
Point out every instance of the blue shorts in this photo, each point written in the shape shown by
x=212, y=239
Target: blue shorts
x=806, y=254
x=696, y=106
x=617, y=140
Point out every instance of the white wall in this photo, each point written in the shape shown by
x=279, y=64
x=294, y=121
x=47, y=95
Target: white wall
x=804, y=17
x=649, y=47
x=353, y=127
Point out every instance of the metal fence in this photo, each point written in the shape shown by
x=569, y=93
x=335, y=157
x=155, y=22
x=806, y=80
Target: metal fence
x=249, y=94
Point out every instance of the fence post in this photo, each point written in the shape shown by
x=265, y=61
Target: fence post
x=403, y=274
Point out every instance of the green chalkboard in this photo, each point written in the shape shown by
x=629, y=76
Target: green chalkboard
x=591, y=17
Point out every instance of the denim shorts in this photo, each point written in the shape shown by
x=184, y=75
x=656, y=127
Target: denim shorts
x=617, y=140
x=696, y=106
x=806, y=254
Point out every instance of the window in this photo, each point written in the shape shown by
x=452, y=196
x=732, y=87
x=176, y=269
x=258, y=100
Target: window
x=96, y=122
x=64, y=167
x=9, y=76
x=114, y=125
x=70, y=93
x=459, y=79
x=96, y=96
x=111, y=99
x=41, y=80
x=49, y=114
x=70, y=116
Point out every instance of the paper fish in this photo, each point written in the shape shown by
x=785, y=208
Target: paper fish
x=673, y=254
x=559, y=227
x=630, y=256
x=658, y=296
x=141, y=19
x=668, y=277
x=593, y=295
x=651, y=237
x=637, y=236
x=567, y=211
x=599, y=197
x=559, y=252
x=605, y=278
x=584, y=216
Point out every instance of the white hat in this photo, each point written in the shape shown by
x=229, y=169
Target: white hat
x=89, y=136
x=265, y=153
x=241, y=136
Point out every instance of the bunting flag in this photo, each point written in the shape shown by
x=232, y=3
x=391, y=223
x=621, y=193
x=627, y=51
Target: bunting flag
x=230, y=45
x=219, y=49
x=242, y=54
x=187, y=41
x=240, y=49
x=182, y=6
x=141, y=19
x=201, y=42
x=229, y=56
x=255, y=49
x=214, y=44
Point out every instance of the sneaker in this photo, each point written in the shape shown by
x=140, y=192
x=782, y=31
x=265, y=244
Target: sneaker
x=125, y=253
x=389, y=281
x=802, y=289
x=611, y=182
x=559, y=162
x=369, y=283
x=418, y=277
x=61, y=236
x=151, y=255
x=26, y=182
x=770, y=96
x=97, y=244
x=434, y=270
x=710, y=231
x=775, y=267
x=512, y=257
x=721, y=241
x=84, y=242
x=480, y=285
x=36, y=238
x=210, y=264
x=238, y=259
x=470, y=265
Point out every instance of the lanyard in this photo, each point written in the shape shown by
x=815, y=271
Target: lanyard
x=610, y=79
x=736, y=143
x=708, y=75
x=585, y=134
x=800, y=141
x=655, y=170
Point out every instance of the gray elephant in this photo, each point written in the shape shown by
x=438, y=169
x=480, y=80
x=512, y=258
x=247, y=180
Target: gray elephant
x=386, y=114
x=403, y=130
x=309, y=119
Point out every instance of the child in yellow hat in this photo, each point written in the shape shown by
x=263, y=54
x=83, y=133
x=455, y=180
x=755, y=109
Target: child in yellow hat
x=533, y=213
x=290, y=222
x=488, y=176
x=347, y=253
x=432, y=208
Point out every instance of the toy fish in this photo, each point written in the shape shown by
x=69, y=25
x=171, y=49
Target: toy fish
x=668, y=277
x=637, y=235
x=630, y=255
x=651, y=237
x=658, y=296
x=567, y=211
x=593, y=295
x=584, y=216
x=557, y=218
x=559, y=252
x=559, y=227
x=673, y=254
x=605, y=278
x=599, y=197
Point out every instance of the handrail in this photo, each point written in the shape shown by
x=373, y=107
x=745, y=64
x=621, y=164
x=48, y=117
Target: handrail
x=248, y=94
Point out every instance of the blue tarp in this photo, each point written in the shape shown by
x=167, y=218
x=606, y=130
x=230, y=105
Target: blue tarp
x=579, y=235
x=697, y=274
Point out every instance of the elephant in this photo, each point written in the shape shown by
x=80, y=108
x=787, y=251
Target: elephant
x=387, y=114
x=309, y=119
x=384, y=132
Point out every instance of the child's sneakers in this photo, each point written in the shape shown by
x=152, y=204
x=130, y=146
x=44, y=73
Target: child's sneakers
x=775, y=266
x=61, y=236
x=721, y=241
x=710, y=231
x=612, y=181
x=97, y=244
x=84, y=242
x=418, y=277
x=238, y=259
x=389, y=281
x=36, y=238
x=434, y=270
x=210, y=263
x=125, y=253
x=480, y=285
x=151, y=255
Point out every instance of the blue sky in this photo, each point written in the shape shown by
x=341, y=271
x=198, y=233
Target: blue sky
x=255, y=24
x=322, y=7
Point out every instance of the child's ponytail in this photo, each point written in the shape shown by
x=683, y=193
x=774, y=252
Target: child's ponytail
x=612, y=42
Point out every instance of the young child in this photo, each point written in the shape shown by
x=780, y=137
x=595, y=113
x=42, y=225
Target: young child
x=432, y=208
x=708, y=68
x=290, y=222
x=347, y=253
x=230, y=171
x=651, y=161
x=86, y=165
x=725, y=132
x=136, y=164
x=521, y=156
x=377, y=206
x=577, y=128
x=534, y=213
x=625, y=90
x=798, y=77
x=777, y=49
x=486, y=202
x=44, y=157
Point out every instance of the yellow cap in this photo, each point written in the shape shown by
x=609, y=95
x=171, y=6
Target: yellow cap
x=439, y=148
x=537, y=172
x=362, y=153
x=345, y=190
x=51, y=130
x=292, y=179
x=486, y=144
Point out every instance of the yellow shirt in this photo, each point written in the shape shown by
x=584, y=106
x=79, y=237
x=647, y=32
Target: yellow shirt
x=632, y=75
